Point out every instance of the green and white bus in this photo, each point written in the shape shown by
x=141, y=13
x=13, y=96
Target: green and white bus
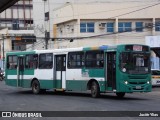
x=119, y=69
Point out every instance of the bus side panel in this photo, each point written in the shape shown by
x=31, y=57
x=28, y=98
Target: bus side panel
x=77, y=79
x=46, y=84
x=45, y=77
x=11, y=82
x=96, y=74
x=74, y=80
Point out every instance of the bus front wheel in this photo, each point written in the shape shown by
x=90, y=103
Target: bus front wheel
x=120, y=94
x=95, y=92
x=35, y=87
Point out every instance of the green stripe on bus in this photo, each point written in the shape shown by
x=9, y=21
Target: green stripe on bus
x=25, y=72
x=44, y=84
x=81, y=85
x=21, y=53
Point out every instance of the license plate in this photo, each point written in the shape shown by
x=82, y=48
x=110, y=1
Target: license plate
x=138, y=87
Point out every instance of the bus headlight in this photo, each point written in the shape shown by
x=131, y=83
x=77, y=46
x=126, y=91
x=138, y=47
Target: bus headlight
x=126, y=82
x=148, y=82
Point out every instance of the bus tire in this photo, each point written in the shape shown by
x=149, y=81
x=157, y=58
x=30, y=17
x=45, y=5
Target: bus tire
x=35, y=87
x=120, y=94
x=95, y=91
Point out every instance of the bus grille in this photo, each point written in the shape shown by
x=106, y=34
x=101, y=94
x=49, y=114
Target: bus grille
x=138, y=89
x=137, y=77
x=137, y=83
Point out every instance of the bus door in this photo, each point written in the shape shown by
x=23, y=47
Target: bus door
x=20, y=71
x=60, y=71
x=111, y=70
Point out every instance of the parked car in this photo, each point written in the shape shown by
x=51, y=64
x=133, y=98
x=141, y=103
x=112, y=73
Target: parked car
x=155, y=77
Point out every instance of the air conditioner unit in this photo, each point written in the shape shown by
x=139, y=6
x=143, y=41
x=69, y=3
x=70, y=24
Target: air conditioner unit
x=72, y=28
x=149, y=25
x=68, y=26
x=102, y=25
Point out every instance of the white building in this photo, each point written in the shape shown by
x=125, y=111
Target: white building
x=85, y=20
x=106, y=18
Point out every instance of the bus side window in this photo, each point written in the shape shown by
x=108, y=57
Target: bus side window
x=12, y=62
x=31, y=61
x=94, y=59
x=46, y=61
x=75, y=60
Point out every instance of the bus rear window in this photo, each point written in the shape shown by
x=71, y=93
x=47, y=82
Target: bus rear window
x=12, y=62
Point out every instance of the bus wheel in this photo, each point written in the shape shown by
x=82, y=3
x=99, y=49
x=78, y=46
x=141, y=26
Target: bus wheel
x=95, y=92
x=120, y=94
x=35, y=87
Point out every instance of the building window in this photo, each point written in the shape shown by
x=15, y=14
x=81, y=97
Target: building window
x=31, y=61
x=75, y=59
x=87, y=27
x=94, y=59
x=46, y=61
x=110, y=27
x=15, y=24
x=157, y=26
x=139, y=26
x=46, y=16
x=124, y=27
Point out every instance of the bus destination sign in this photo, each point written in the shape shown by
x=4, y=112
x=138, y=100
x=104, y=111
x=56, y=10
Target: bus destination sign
x=137, y=48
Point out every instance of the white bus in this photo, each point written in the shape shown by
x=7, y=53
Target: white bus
x=120, y=69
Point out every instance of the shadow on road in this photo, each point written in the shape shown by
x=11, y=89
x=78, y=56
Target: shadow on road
x=111, y=96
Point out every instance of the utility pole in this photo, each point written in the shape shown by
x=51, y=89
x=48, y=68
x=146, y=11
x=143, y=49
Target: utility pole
x=45, y=32
x=46, y=40
x=3, y=51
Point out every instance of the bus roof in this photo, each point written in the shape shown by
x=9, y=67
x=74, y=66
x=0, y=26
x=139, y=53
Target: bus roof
x=103, y=47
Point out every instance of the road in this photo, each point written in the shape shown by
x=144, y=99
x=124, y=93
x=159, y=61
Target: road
x=18, y=99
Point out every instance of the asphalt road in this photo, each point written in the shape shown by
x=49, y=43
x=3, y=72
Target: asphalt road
x=18, y=99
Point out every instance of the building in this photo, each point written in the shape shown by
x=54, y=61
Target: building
x=110, y=24
x=17, y=21
x=115, y=23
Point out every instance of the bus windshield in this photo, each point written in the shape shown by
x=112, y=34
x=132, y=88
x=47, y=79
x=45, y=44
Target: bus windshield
x=135, y=63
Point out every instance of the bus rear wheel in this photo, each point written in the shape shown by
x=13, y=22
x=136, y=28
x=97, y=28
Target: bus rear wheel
x=95, y=91
x=120, y=94
x=35, y=87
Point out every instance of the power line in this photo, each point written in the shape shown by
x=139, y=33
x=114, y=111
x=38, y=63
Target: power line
x=99, y=35
x=61, y=39
x=102, y=12
x=39, y=42
x=127, y=12
x=85, y=37
x=136, y=10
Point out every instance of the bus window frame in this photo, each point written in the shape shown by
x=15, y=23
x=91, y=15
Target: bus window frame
x=37, y=63
x=96, y=60
x=81, y=53
x=45, y=59
x=131, y=53
x=8, y=63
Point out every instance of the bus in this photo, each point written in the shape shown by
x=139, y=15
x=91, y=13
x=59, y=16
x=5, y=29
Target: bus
x=119, y=69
